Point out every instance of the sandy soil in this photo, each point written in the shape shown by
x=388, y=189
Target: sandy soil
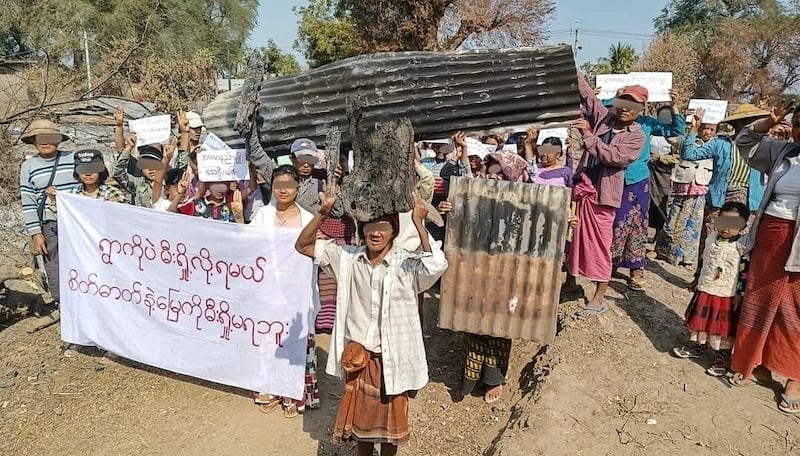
x=592, y=392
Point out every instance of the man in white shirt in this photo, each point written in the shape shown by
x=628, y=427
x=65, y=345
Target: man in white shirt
x=377, y=335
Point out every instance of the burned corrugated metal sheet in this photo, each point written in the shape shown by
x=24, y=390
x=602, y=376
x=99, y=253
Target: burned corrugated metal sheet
x=504, y=245
x=440, y=92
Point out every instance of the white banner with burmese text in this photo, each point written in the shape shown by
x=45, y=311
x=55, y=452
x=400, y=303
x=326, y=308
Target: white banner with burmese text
x=218, y=301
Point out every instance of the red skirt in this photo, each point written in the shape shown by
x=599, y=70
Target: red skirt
x=711, y=314
x=769, y=322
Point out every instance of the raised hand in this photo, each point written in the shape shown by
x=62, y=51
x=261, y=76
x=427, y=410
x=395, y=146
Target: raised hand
x=169, y=150
x=327, y=197
x=697, y=119
x=674, y=96
x=183, y=122
x=582, y=125
x=130, y=144
x=531, y=136
x=237, y=207
x=778, y=113
x=119, y=116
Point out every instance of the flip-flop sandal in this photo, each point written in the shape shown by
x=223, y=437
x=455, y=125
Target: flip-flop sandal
x=290, y=411
x=269, y=407
x=492, y=398
x=636, y=285
x=739, y=381
x=789, y=405
x=589, y=311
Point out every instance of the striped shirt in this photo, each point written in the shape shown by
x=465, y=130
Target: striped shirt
x=740, y=172
x=33, y=179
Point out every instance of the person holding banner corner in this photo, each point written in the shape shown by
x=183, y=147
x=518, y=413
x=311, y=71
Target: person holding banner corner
x=49, y=167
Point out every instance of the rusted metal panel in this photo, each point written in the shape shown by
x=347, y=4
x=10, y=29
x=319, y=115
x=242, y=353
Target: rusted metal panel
x=504, y=245
x=440, y=92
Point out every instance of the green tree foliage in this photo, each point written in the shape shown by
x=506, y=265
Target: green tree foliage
x=280, y=64
x=334, y=29
x=621, y=58
x=749, y=50
x=143, y=31
x=325, y=33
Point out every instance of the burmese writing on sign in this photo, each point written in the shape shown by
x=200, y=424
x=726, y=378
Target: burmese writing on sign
x=230, y=305
x=658, y=84
x=223, y=165
x=214, y=142
x=151, y=130
x=715, y=109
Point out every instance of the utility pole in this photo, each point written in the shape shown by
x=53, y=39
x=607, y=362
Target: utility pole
x=88, y=65
x=576, y=47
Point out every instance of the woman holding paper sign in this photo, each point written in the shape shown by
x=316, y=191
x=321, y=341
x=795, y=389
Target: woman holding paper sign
x=283, y=213
x=629, y=247
x=612, y=140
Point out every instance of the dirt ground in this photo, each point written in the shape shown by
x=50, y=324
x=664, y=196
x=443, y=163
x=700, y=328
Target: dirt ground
x=593, y=392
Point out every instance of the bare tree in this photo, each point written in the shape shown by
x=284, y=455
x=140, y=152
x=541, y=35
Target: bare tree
x=401, y=25
x=674, y=53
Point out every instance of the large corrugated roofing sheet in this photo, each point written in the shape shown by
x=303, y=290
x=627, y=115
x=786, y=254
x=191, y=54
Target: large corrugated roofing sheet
x=504, y=245
x=440, y=92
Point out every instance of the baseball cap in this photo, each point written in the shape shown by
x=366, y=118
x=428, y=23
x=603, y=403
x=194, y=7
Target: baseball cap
x=637, y=92
x=306, y=149
x=89, y=161
x=195, y=121
x=150, y=158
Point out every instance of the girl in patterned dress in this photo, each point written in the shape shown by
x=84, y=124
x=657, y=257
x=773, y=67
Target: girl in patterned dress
x=712, y=313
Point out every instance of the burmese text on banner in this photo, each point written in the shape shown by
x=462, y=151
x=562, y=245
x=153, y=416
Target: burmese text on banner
x=219, y=301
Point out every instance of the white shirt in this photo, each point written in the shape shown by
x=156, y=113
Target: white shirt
x=786, y=197
x=162, y=205
x=405, y=367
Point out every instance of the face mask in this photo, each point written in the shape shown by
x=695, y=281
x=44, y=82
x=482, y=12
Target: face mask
x=621, y=103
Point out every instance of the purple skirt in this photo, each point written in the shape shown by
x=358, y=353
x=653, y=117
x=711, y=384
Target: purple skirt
x=629, y=247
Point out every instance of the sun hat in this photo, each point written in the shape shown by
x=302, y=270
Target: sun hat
x=746, y=111
x=42, y=127
x=195, y=121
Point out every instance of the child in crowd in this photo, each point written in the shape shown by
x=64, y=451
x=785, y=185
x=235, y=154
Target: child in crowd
x=172, y=178
x=224, y=201
x=550, y=170
x=91, y=172
x=146, y=190
x=712, y=313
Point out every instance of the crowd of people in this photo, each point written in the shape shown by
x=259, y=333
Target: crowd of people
x=726, y=198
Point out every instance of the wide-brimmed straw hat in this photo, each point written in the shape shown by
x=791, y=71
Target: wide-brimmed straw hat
x=42, y=127
x=746, y=111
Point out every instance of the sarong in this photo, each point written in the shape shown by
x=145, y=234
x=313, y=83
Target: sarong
x=589, y=253
x=680, y=240
x=769, y=321
x=485, y=360
x=629, y=245
x=342, y=231
x=366, y=413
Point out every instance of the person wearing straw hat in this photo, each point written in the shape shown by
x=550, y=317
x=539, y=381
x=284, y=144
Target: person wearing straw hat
x=49, y=167
x=732, y=179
